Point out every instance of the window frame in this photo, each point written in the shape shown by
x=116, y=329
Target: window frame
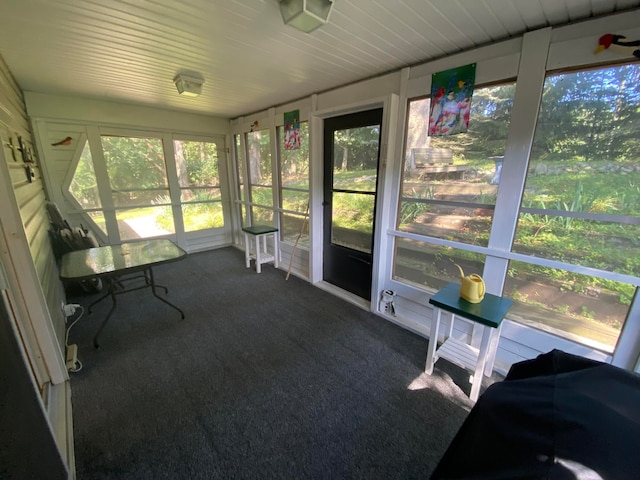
x=111, y=234
x=282, y=188
x=497, y=255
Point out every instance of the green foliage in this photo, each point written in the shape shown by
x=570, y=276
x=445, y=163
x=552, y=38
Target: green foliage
x=84, y=187
x=364, y=180
x=486, y=198
x=579, y=203
x=356, y=148
x=586, y=313
x=259, y=151
x=134, y=163
x=207, y=213
x=137, y=175
x=199, y=216
x=590, y=115
x=197, y=163
x=262, y=196
x=294, y=200
x=354, y=212
x=410, y=211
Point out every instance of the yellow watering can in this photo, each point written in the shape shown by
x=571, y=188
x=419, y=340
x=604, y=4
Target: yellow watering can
x=472, y=287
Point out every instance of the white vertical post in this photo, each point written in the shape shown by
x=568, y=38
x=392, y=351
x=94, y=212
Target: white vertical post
x=174, y=189
x=385, y=211
x=316, y=194
x=104, y=187
x=433, y=340
x=531, y=75
x=627, y=353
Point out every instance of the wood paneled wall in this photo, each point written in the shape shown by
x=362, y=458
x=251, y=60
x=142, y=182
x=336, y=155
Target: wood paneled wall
x=31, y=297
x=39, y=291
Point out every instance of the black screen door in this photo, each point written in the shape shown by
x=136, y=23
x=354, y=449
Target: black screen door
x=351, y=157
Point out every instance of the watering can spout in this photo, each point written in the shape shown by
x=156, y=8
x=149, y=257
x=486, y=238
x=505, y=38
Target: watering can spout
x=472, y=287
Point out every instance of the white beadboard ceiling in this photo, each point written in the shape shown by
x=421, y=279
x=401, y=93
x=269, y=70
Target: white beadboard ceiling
x=130, y=50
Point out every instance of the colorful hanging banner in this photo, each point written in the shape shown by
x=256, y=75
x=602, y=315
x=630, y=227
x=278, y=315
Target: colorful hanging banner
x=451, y=93
x=292, y=130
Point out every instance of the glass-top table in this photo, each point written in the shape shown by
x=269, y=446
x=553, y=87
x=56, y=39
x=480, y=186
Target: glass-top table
x=112, y=262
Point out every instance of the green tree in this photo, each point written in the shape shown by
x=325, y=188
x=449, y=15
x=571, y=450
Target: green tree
x=589, y=115
x=136, y=167
x=356, y=148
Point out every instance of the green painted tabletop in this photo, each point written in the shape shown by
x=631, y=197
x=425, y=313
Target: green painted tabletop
x=490, y=311
x=259, y=229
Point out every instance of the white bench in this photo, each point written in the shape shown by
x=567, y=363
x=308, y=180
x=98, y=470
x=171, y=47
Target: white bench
x=431, y=156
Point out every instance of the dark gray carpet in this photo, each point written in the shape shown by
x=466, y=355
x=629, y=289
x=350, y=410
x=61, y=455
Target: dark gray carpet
x=265, y=378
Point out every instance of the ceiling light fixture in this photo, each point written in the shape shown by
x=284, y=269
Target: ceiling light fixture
x=188, y=86
x=305, y=15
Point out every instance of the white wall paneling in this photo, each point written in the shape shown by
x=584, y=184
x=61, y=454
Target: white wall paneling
x=30, y=284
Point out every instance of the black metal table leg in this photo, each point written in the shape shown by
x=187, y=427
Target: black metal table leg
x=112, y=292
x=149, y=281
x=98, y=301
x=152, y=284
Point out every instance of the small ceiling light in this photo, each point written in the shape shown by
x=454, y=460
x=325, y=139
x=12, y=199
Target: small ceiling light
x=188, y=86
x=305, y=15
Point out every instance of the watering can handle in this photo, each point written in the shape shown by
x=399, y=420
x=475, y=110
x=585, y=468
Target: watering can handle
x=475, y=276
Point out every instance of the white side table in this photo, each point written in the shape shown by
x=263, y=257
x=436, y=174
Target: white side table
x=260, y=254
x=489, y=313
